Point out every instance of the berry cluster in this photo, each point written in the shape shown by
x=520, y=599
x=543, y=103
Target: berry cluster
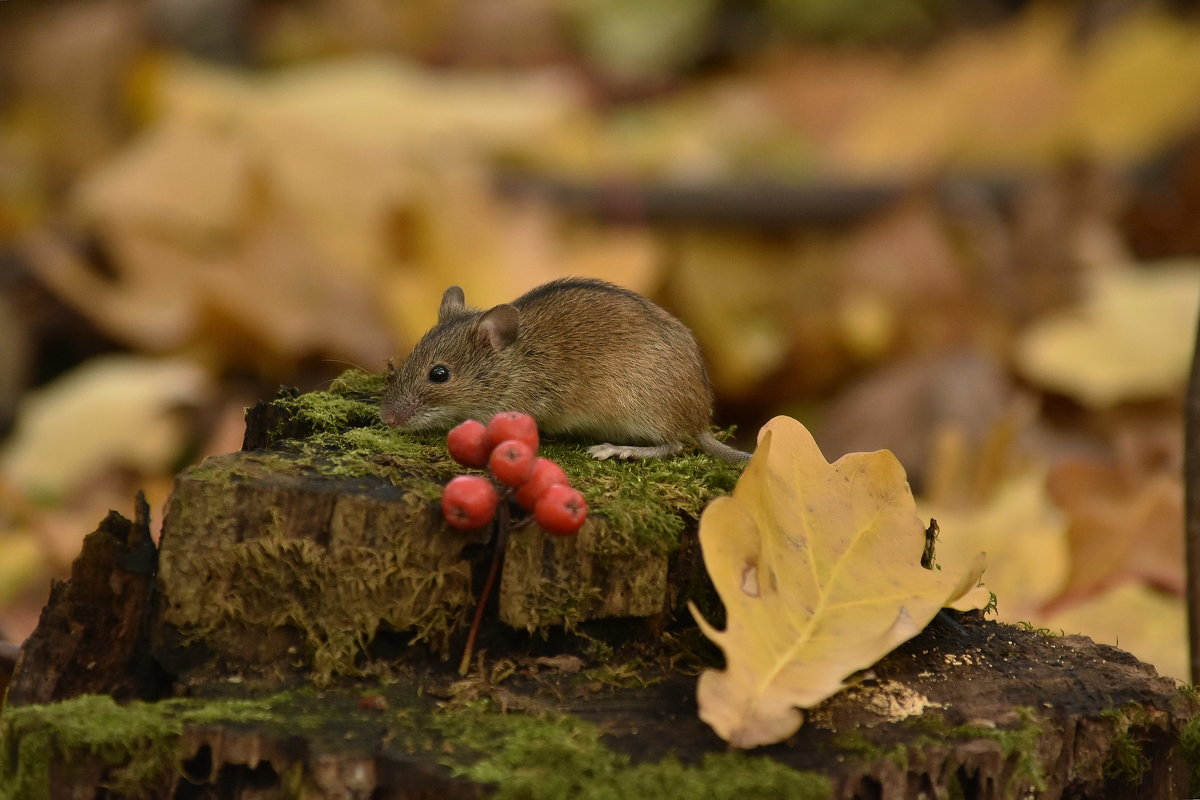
x=507, y=446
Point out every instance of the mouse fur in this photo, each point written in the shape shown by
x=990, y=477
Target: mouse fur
x=585, y=358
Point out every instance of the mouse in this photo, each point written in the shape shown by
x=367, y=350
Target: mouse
x=587, y=359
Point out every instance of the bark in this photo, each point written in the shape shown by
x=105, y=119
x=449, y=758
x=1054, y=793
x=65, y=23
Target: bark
x=91, y=636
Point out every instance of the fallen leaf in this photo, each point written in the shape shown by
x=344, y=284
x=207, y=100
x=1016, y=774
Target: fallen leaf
x=180, y=180
x=315, y=186
x=63, y=68
x=818, y=566
x=904, y=404
x=1122, y=108
x=1124, y=342
x=1121, y=527
x=1024, y=92
x=149, y=303
x=112, y=411
x=459, y=232
x=983, y=96
x=1022, y=533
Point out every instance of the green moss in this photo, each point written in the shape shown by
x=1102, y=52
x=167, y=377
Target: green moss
x=1189, y=740
x=861, y=747
x=355, y=381
x=1040, y=631
x=137, y=740
x=544, y=758
x=323, y=412
x=376, y=453
x=276, y=579
x=249, y=466
x=260, y=590
x=548, y=601
x=1018, y=744
x=1126, y=760
x=345, y=617
x=647, y=503
x=629, y=674
x=548, y=757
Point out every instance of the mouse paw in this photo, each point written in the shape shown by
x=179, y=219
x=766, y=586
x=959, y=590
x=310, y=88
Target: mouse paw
x=600, y=452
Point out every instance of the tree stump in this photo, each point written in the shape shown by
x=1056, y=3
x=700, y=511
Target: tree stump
x=296, y=631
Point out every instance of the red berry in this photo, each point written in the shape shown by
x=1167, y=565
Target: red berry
x=546, y=473
x=467, y=443
x=511, y=462
x=469, y=501
x=560, y=510
x=513, y=425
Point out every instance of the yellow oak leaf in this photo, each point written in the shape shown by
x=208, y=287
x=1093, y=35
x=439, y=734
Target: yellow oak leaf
x=1130, y=339
x=818, y=566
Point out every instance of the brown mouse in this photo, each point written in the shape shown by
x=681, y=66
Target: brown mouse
x=585, y=358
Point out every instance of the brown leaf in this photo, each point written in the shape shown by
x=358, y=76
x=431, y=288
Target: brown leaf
x=909, y=403
x=1121, y=527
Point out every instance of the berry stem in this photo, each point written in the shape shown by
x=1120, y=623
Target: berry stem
x=502, y=527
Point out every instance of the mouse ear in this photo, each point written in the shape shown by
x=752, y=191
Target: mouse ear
x=453, y=302
x=498, y=326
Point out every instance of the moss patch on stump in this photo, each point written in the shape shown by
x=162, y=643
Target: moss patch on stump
x=293, y=556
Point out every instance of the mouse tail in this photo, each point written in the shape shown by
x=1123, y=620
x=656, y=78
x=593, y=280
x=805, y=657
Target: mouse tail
x=720, y=450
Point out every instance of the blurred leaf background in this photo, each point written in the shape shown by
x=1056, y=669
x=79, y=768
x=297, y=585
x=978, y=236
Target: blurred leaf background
x=965, y=232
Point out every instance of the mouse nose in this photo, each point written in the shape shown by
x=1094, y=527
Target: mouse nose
x=397, y=411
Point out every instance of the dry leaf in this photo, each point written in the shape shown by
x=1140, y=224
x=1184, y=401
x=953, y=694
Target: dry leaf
x=1121, y=527
x=1023, y=535
x=112, y=411
x=1026, y=92
x=818, y=566
x=313, y=187
x=904, y=405
x=981, y=97
x=1130, y=340
x=1122, y=106
x=181, y=180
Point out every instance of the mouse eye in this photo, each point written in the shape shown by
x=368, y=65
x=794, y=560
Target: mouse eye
x=439, y=374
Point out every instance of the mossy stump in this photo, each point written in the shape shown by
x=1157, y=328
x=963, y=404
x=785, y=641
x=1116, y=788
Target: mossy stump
x=296, y=635
x=324, y=536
